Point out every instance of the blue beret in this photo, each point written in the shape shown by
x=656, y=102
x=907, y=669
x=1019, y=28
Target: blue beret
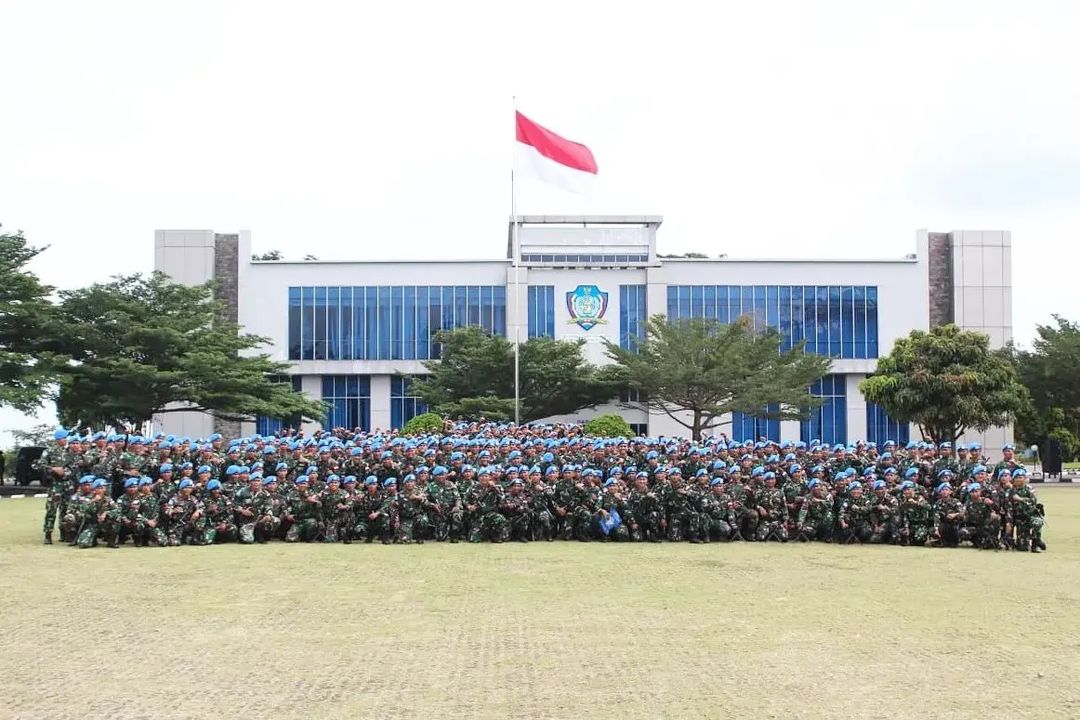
x=812, y=483
x=333, y=479
x=911, y=472
x=186, y=483
x=389, y=481
x=60, y=434
x=944, y=472
x=204, y=469
x=1019, y=471
x=213, y=485
x=945, y=446
x=349, y=480
x=131, y=482
x=854, y=485
x=714, y=482
x=770, y=475
x=267, y=480
x=759, y=470
x=1008, y=446
x=794, y=468
x=165, y=468
x=98, y=483
x=186, y=466
x=85, y=479
x=878, y=484
x=145, y=481
x=974, y=486
x=302, y=480
x=281, y=466
x=608, y=483
x=978, y=469
x=891, y=470
x=942, y=487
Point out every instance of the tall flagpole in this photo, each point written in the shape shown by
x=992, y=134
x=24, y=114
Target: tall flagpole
x=517, y=277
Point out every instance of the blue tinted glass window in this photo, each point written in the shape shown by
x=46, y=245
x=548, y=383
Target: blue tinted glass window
x=333, y=322
x=697, y=301
x=408, y=342
x=673, y=302
x=858, y=304
x=320, y=323
x=829, y=422
x=786, y=332
x=871, y=322
x=294, y=323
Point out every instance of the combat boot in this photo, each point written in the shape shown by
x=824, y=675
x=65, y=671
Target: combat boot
x=48, y=538
x=1035, y=547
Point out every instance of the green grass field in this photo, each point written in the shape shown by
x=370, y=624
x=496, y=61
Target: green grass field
x=560, y=630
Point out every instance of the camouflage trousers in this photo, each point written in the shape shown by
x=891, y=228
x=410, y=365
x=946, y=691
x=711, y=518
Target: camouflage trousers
x=69, y=526
x=448, y=525
x=563, y=526
x=338, y=529
x=772, y=529
x=718, y=526
x=141, y=533
x=221, y=532
x=489, y=526
x=646, y=527
x=181, y=532
x=983, y=536
x=619, y=534
x=688, y=525
x=949, y=533
x=585, y=525
x=854, y=533
x=366, y=530
x=541, y=525
x=883, y=534
x=1028, y=530
x=92, y=532
x=818, y=528
x=55, y=503
x=260, y=530
x=412, y=529
x=306, y=530
x=914, y=534
x=744, y=527
x=519, y=527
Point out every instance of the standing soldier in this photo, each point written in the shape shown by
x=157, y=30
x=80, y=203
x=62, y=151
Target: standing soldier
x=54, y=465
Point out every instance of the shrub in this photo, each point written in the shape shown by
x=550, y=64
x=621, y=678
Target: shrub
x=423, y=424
x=608, y=426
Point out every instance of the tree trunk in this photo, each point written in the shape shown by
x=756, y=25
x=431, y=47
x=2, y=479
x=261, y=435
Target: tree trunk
x=695, y=431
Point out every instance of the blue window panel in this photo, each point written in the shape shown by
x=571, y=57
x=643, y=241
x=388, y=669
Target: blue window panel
x=345, y=341
x=359, y=324
x=759, y=307
x=632, y=315
x=881, y=428
x=498, y=299
x=748, y=427
x=486, y=313
x=385, y=318
x=371, y=312
x=408, y=327
x=871, y=322
x=423, y=332
x=404, y=406
x=847, y=322
x=821, y=320
x=784, y=319
x=472, y=302
x=723, y=313
x=772, y=306
x=448, y=307
x=835, y=321
x=268, y=426
x=710, y=301
x=348, y=399
x=294, y=323
x=397, y=319
x=333, y=322
x=673, y=302
x=307, y=327
x=858, y=295
x=320, y=323
x=697, y=301
x=461, y=306
x=829, y=422
x=797, y=334
x=684, y=302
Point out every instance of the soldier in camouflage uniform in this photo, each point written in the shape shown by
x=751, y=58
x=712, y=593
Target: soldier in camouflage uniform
x=304, y=510
x=445, y=509
x=1027, y=514
x=613, y=501
x=644, y=511
x=981, y=524
x=127, y=512
x=815, y=521
x=336, y=510
x=219, y=526
x=853, y=519
x=772, y=509
x=884, y=511
x=948, y=514
x=515, y=508
x=74, y=509
x=483, y=504
x=367, y=509
x=541, y=514
x=55, y=468
x=147, y=522
x=98, y=517
x=915, y=516
x=184, y=514
x=247, y=509
x=412, y=506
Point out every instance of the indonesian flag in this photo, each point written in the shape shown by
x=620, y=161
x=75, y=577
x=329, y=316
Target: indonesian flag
x=553, y=158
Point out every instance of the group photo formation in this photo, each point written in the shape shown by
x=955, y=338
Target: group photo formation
x=498, y=483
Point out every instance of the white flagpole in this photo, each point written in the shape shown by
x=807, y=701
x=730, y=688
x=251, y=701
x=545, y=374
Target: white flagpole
x=517, y=277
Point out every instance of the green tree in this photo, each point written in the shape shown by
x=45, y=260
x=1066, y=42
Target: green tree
x=267, y=256
x=475, y=377
x=146, y=345
x=424, y=423
x=946, y=381
x=697, y=370
x=29, y=331
x=1049, y=371
x=609, y=425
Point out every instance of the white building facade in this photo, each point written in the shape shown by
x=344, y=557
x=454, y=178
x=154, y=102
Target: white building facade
x=353, y=332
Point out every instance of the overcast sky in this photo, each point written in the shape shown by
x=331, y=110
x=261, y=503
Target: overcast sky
x=352, y=131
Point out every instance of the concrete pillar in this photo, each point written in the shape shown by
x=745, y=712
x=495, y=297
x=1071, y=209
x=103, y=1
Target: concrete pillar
x=311, y=385
x=856, y=407
x=790, y=430
x=380, y=402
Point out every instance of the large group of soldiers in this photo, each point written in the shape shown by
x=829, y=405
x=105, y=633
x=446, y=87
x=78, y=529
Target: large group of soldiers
x=498, y=483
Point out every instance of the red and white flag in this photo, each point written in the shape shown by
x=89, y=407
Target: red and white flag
x=553, y=158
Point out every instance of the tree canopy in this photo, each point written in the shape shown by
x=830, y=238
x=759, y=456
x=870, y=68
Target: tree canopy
x=1049, y=371
x=145, y=345
x=475, y=377
x=708, y=369
x=947, y=381
x=29, y=331
x=270, y=255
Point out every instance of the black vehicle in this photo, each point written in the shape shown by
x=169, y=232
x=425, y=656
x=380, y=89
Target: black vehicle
x=24, y=465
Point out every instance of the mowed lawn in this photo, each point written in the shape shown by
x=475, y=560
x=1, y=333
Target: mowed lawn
x=560, y=630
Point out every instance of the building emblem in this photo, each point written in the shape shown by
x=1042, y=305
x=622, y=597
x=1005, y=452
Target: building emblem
x=587, y=306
